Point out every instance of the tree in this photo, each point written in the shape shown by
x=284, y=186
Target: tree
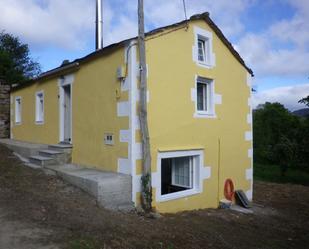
x=16, y=66
x=304, y=101
x=275, y=133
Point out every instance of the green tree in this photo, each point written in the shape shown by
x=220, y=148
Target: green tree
x=16, y=65
x=275, y=135
x=304, y=101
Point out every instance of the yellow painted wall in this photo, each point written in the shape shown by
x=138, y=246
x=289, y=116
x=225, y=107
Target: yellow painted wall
x=28, y=130
x=170, y=110
x=94, y=112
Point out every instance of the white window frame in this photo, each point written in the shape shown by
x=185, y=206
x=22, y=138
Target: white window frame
x=209, y=57
x=209, y=110
x=39, y=116
x=197, y=169
x=18, y=110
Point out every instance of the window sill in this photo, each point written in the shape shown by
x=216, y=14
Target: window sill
x=17, y=123
x=178, y=195
x=204, y=64
x=204, y=115
x=39, y=122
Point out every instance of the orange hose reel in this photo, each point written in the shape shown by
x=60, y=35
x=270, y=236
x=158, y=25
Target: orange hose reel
x=229, y=189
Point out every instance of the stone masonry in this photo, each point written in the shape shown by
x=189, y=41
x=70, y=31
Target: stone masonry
x=4, y=111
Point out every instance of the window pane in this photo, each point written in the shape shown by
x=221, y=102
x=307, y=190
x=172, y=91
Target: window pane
x=201, y=50
x=182, y=171
x=201, y=96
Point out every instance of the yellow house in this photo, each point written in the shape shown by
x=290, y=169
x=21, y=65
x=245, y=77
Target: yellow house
x=199, y=113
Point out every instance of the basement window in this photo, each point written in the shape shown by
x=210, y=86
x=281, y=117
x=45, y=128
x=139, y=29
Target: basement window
x=177, y=174
x=17, y=110
x=39, y=107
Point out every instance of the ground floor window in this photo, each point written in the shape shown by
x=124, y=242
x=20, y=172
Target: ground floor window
x=176, y=174
x=180, y=174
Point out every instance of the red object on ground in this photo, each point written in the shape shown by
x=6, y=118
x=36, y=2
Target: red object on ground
x=229, y=189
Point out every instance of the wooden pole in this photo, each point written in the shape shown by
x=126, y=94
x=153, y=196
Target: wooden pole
x=146, y=177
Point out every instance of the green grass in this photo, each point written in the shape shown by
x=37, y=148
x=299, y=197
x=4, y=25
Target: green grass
x=271, y=173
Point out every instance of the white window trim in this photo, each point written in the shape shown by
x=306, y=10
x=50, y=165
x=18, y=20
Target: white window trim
x=206, y=36
x=198, y=157
x=39, y=122
x=20, y=111
x=210, y=112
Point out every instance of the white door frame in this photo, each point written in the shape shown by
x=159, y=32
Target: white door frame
x=65, y=81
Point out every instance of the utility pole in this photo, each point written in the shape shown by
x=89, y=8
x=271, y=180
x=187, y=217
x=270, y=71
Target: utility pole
x=146, y=177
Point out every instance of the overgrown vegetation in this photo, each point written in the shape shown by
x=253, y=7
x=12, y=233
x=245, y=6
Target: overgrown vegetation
x=272, y=173
x=281, y=144
x=16, y=65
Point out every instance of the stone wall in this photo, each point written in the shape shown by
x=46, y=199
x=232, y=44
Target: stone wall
x=4, y=111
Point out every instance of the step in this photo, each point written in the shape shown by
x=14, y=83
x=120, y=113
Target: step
x=24, y=149
x=67, y=148
x=42, y=160
x=112, y=190
x=59, y=156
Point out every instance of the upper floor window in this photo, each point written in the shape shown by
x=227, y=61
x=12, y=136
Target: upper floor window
x=203, y=54
x=201, y=50
x=39, y=107
x=204, y=96
x=18, y=110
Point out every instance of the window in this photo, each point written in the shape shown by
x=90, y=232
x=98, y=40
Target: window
x=182, y=172
x=39, y=105
x=177, y=174
x=204, y=95
x=18, y=110
x=201, y=50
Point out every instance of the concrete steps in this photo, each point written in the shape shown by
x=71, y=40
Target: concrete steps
x=42, y=161
x=112, y=190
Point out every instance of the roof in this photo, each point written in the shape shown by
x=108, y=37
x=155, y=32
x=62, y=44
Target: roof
x=76, y=63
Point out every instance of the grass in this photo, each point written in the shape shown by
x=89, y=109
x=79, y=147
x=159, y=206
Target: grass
x=271, y=173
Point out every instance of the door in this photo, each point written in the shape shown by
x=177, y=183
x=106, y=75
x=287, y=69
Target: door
x=67, y=117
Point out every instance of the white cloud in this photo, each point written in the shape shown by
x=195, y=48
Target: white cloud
x=266, y=60
x=70, y=24
x=226, y=13
x=49, y=22
x=283, y=48
x=288, y=96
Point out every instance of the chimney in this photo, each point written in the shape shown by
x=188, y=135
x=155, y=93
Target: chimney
x=99, y=25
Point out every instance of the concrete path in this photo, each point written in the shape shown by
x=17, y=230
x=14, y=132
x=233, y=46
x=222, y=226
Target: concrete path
x=18, y=235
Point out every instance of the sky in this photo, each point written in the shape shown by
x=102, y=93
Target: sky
x=272, y=36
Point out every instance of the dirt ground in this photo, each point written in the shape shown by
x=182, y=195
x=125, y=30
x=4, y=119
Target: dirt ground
x=41, y=211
